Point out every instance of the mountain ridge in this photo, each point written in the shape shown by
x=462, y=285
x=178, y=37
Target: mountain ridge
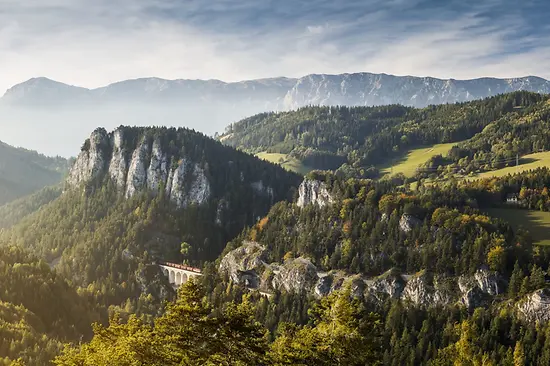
x=275, y=78
x=210, y=106
x=291, y=88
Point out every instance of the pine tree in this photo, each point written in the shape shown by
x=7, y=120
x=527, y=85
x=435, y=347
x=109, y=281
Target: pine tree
x=516, y=280
x=519, y=355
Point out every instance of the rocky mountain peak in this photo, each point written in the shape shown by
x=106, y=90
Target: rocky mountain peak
x=145, y=167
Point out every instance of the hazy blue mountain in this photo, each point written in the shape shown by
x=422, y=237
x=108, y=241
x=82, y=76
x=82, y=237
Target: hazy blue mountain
x=61, y=114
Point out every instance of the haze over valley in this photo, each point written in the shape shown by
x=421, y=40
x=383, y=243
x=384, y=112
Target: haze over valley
x=67, y=113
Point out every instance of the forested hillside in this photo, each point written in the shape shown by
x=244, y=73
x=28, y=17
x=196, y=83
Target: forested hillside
x=23, y=171
x=499, y=144
x=357, y=139
x=414, y=257
x=421, y=277
x=11, y=213
x=39, y=310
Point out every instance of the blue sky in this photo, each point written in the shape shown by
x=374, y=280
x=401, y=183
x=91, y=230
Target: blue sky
x=93, y=43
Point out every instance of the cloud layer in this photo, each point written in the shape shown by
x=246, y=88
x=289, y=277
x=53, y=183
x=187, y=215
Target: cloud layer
x=93, y=43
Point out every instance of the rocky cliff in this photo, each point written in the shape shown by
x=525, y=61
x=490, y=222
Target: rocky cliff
x=184, y=166
x=536, y=306
x=148, y=167
x=366, y=89
x=246, y=265
x=313, y=192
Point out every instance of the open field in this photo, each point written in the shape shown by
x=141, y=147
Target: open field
x=414, y=158
x=285, y=161
x=527, y=162
x=537, y=222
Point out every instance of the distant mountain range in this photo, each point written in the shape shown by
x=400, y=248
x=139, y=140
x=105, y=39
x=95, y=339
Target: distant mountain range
x=56, y=111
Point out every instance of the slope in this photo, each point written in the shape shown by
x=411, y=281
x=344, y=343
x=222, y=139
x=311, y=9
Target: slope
x=23, y=172
x=414, y=158
x=425, y=261
x=39, y=310
x=355, y=139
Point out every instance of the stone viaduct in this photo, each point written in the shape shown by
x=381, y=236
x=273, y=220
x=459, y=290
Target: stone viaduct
x=178, y=274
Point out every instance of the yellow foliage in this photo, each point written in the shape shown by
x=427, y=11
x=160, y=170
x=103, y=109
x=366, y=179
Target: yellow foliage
x=288, y=255
x=262, y=223
x=496, y=258
x=347, y=227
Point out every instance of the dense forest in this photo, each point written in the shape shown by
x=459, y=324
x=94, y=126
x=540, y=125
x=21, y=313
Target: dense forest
x=451, y=238
x=39, y=309
x=23, y=172
x=355, y=139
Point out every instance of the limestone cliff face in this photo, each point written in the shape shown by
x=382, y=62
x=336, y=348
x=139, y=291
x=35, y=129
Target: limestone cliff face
x=245, y=259
x=423, y=291
x=247, y=266
x=91, y=161
x=477, y=290
x=313, y=192
x=146, y=167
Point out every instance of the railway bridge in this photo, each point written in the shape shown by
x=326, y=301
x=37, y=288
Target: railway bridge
x=178, y=274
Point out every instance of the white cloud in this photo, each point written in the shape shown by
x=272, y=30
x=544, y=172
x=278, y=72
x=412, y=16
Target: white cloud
x=94, y=43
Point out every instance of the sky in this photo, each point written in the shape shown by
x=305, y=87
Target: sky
x=94, y=43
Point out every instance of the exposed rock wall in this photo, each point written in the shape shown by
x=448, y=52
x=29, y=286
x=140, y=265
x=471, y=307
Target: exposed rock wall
x=313, y=192
x=536, y=306
x=91, y=162
x=247, y=265
x=408, y=222
x=147, y=168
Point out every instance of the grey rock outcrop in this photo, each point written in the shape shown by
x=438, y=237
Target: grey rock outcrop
x=247, y=266
x=535, y=306
x=408, y=223
x=248, y=258
x=296, y=275
x=157, y=173
x=422, y=291
x=118, y=167
x=91, y=162
x=147, y=168
x=137, y=173
x=388, y=285
x=313, y=192
x=477, y=290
